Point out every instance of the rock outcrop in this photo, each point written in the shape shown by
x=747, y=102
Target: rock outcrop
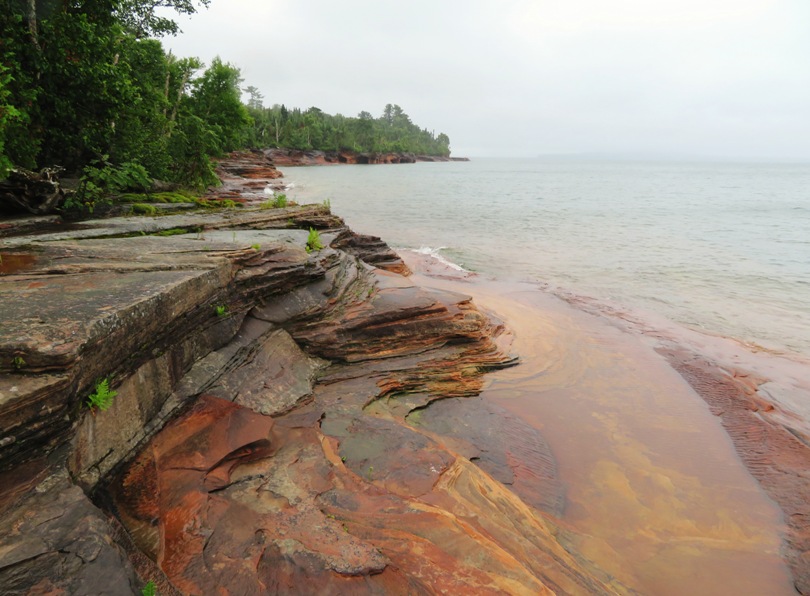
x=286, y=419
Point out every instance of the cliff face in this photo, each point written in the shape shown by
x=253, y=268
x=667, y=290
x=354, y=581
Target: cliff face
x=265, y=436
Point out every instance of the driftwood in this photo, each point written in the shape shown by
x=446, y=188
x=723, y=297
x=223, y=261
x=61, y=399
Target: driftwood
x=25, y=191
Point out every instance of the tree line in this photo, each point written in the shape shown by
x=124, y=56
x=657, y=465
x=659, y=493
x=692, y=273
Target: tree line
x=393, y=131
x=86, y=85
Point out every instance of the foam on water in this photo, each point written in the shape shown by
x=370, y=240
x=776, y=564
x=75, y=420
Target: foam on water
x=435, y=254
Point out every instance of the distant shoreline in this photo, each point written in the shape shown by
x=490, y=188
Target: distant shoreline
x=297, y=157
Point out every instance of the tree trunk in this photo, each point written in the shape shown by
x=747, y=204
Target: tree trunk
x=31, y=16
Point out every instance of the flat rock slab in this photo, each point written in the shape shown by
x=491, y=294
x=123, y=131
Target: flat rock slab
x=59, y=543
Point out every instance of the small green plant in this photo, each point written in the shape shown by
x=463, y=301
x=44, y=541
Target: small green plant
x=149, y=589
x=313, y=240
x=18, y=362
x=277, y=202
x=144, y=209
x=179, y=196
x=255, y=246
x=328, y=204
x=172, y=232
x=221, y=310
x=102, y=397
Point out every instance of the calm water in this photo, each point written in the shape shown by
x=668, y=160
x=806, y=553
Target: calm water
x=724, y=248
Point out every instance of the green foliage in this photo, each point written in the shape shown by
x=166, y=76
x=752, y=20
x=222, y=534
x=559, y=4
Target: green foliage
x=314, y=129
x=100, y=179
x=18, y=362
x=142, y=18
x=255, y=246
x=129, y=176
x=149, y=589
x=221, y=310
x=277, y=202
x=158, y=197
x=191, y=145
x=217, y=204
x=216, y=97
x=144, y=209
x=102, y=397
x=8, y=114
x=313, y=240
x=172, y=232
x=82, y=86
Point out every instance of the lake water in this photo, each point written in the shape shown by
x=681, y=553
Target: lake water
x=722, y=248
x=654, y=489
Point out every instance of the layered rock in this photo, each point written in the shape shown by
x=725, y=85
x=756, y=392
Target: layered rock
x=276, y=426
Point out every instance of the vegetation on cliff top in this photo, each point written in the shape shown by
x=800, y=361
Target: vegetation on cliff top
x=86, y=86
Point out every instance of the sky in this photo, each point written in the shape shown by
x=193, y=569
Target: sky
x=727, y=79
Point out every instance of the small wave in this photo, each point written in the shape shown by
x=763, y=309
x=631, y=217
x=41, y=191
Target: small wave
x=435, y=254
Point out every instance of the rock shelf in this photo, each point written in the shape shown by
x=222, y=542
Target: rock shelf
x=263, y=437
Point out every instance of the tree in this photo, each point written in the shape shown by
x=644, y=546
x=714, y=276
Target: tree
x=141, y=18
x=255, y=101
x=216, y=99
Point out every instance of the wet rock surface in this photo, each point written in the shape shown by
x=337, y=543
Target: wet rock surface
x=773, y=454
x=282, y=420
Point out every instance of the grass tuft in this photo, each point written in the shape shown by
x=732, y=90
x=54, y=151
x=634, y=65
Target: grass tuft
x=313, y=240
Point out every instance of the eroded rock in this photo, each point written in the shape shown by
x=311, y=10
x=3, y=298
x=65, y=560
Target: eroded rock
x=263, y=436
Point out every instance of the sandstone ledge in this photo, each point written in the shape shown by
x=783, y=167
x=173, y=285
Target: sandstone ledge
x=264, y=437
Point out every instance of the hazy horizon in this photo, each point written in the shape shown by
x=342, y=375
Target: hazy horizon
x=707, y=80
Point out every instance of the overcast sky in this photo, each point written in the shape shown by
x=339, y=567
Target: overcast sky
x=715, y=78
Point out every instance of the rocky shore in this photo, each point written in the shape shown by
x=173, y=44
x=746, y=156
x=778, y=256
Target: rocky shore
x=264, y=431
x=299, y=413
x=296, y=157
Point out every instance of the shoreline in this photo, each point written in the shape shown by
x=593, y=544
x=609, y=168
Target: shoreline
x=312, y=409
x=741, y=388
x=283, y=157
